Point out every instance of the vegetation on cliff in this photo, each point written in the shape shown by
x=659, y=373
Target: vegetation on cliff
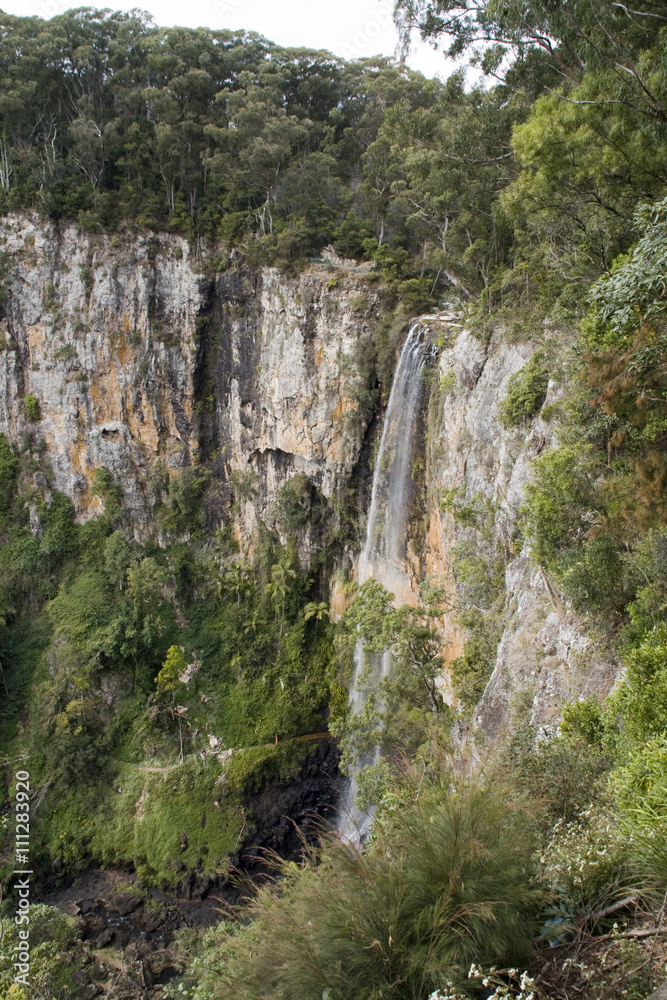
x=122, y=654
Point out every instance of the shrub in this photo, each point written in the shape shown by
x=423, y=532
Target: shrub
x=640, y=789
x=8, y=470
x=117, y=558
x=50, y=936
x=558, y=501
x=186, y=497
x=105, y=486
x=32, y=408
x=444, y=883
x=641, y=698
x=594, y=576
x=563, y=773
x=350, y=236
x=293, y=502
x=471, y=671
x=583, y=720
x=526, y=391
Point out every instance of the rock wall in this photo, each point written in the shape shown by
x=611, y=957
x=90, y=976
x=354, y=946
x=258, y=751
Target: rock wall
x=135, y=356
x=103, y=337
x=547, y=654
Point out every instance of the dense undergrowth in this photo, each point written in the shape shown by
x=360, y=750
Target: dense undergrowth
x=117, y=656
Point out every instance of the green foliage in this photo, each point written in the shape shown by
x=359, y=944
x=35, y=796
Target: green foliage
x=238, y=140
x=117, y=559
x=32, y=408
x=263, y=670
x=633, y=292
x=446, y=882
x=51, y=935
x=558, y=500
x=8, y=471
x=187, y=491
x=582, y=720
x=168, y=678
x=471, y=671
x=244, y=485
x=405, y=709
x=105, y=486
x=641, y=698
x=293, y=501
x=563, y=773
x=640, y=792
x=162, y=824
x=526, y=391
x=465, y=514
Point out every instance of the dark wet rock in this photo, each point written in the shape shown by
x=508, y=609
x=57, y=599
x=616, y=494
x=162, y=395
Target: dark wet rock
x=93, y=926
x=104, y=938
x=287, y=815
x=124, y=903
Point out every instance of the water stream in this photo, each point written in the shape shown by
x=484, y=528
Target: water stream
x=384, y=552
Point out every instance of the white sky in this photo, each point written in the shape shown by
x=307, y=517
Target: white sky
x=349, y=28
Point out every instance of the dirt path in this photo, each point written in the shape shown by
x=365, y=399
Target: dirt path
x=214, y=753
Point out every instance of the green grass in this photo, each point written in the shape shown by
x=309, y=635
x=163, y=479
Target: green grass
x=163, y=824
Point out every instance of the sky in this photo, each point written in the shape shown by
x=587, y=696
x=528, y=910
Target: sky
x=348, y=28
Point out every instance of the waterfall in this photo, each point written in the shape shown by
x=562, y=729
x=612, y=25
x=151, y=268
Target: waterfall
x=383, y=555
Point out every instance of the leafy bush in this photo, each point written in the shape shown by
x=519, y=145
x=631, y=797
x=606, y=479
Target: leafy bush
x=640, y=790
x=50, y=936
x=186, y=500
x=471, y=671
x=105, y=486
x=641, y=697
x=563, y=773
x=8, y=471
x=558, y=501
x=117, y=559
x=633, y=292
x=32, y=408
x=583, y=720
x=526, y=391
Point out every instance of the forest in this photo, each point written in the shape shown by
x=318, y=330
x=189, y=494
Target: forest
x=527, y=192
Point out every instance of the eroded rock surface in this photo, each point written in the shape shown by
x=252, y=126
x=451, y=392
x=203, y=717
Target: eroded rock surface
x=134, y=358
x=546, y=655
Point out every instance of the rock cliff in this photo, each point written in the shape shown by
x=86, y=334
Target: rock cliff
x=546, y=654
x=126, y=352
x=120, y=352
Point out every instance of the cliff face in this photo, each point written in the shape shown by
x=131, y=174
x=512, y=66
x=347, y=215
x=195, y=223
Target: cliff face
x=134, y=357
x=103, y=337
x=546, y=655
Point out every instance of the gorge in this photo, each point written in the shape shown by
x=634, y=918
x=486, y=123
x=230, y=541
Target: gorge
x=333, y=533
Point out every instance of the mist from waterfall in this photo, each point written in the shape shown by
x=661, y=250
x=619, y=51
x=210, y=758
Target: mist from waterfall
x=384, y=554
